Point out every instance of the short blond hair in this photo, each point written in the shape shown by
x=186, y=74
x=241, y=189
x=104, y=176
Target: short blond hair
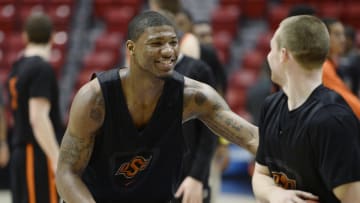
x=306, y=37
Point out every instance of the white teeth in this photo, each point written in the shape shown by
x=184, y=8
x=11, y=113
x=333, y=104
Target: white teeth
x=166, y=62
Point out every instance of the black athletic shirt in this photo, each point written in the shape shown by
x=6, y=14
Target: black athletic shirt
x=132, y=165
x=200, y=141
x=32, y=77
x=313, y=148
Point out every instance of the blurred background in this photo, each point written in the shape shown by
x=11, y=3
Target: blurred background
x=90, y=36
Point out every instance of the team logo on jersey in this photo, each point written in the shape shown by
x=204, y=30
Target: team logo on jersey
x=283, y=181
x=131, y=168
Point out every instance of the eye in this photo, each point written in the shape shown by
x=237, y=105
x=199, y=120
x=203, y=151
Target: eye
x=156, y=44
x=174, y=43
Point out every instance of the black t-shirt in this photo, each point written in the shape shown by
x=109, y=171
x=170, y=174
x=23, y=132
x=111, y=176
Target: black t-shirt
x=137, y=165
x=313, y=148
x=209, y=56
x=200, y=141
x=32, y=77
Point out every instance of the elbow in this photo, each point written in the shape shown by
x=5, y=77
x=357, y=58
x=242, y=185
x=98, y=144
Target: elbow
x=59, y=175
x=37, y=119
x=58, y=180
x=61, y=179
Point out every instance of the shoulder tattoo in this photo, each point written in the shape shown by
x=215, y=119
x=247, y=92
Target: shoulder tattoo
x=98, y=108
x=200, y=98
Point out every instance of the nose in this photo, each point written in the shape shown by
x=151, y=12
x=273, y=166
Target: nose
x=167, y=50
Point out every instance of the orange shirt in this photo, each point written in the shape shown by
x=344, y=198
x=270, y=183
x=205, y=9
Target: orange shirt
x=332, y=81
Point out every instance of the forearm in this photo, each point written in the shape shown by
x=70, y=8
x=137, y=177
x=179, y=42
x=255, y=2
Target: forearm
x=72, y=189
x=235, y=129
x=263, y=186
x=45, y=136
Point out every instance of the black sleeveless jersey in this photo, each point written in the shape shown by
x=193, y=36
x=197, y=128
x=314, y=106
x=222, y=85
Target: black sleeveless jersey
x=132, y=165
x=315, y=147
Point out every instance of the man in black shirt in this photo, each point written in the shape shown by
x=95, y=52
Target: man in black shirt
x=199, y=140
x=37, y=125
x=124, y=141
x=309, y=138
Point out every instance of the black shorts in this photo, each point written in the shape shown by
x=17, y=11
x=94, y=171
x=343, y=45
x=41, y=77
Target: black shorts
x=32, y=181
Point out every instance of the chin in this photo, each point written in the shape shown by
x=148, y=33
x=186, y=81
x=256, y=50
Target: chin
x=166, y=74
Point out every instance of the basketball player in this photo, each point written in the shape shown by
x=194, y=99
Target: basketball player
x=124, y=142
x=37, y=125
x=309, y=137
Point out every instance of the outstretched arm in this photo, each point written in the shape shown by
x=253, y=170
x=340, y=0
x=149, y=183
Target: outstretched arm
x=86, y=117
x=203, y=102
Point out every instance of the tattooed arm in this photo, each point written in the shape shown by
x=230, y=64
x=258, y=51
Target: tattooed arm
x=203, y=102
x=86, y=117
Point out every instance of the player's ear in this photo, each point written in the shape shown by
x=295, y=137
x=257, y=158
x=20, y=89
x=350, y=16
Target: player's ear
x=130, y=45
x=284, y=54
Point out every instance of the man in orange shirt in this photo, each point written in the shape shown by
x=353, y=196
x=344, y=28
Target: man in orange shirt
x=330, y=78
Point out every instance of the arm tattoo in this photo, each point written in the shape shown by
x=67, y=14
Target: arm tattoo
x=200, y=98
x=217, y=106
x=231, y=123
x=231, y=129
x=97, y=111
x=76, y=151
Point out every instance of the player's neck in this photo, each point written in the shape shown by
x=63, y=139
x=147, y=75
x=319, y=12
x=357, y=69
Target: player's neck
x=300, y=87
x=42, y=50
x=141, y=83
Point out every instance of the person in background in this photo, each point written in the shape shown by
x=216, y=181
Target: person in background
x=203, y=31
x=349, y=65
x=330, y=77
x=189, y=44
x=208, y=55
x=33, y=90
x=199, y=140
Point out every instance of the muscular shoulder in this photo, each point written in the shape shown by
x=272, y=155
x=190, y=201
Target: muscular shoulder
x=88, y=106
x=90, y=93
x=195, y=90
x=200, y=99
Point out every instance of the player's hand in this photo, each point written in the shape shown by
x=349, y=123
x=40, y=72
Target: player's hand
x=191, y=191
x=291, y=196
x=4, y=154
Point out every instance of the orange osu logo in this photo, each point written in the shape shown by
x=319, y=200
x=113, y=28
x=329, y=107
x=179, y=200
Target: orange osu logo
x=282, y=180
x=133, y=167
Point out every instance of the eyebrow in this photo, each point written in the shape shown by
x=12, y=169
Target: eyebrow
x=160, y=38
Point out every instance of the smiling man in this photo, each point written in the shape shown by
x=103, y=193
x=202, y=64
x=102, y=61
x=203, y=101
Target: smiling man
x=124, y=142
